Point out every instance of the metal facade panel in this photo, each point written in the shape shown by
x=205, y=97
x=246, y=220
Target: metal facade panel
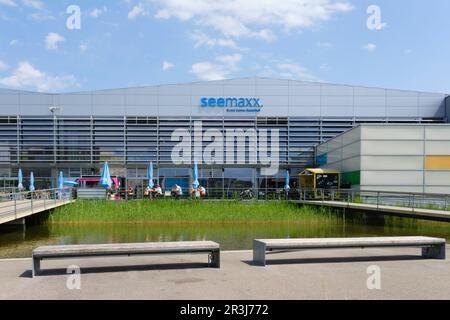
x=108, y=100
x=9, y=99
x=395, y=148
x=392, y=132
x=305, y=101
x=437, y=148
x=437, y=178
x=392, y=178
x=36, y=99
x=304, y=89
x=175, y=101
x=336, y=90
x=141, y=100
x=437, y=133
x=391, y=163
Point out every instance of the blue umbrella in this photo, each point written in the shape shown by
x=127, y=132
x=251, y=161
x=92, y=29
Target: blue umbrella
x=32, y=188
x=61, y=181
x=287, y=188
x=150, y=176
x=105, y=180
x=20, y=178
x=195, y=183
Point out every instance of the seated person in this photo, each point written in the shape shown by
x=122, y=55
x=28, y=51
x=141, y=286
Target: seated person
x=176, y=191
x=157, y=191
x=202, y=191
x=147, y=191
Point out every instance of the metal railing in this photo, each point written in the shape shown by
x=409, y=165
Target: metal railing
x=225, y=194
x=14, y=204
x=410, y=200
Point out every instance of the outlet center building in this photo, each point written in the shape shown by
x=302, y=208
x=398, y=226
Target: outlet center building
x=77, y=132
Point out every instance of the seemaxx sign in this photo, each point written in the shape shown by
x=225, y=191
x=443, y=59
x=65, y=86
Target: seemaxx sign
x=232, y=104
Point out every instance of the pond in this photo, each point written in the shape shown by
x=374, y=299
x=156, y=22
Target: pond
x=15, y=243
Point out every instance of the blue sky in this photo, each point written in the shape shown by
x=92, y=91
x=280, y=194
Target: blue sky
x=144, y=42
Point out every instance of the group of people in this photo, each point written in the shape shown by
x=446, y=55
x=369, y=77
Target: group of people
x=155, y=192
x=175, y=192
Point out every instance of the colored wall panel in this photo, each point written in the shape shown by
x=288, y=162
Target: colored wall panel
x=437, y=163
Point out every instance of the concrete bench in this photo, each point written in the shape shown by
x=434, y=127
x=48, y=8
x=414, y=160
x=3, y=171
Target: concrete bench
x=126, y=249
x=433, y=248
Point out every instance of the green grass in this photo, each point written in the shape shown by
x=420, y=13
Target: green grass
x=186, y=211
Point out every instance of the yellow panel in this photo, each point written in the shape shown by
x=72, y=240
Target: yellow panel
x=437, y=163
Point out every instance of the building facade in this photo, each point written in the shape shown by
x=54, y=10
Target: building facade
x=76, y=132
x=398, y=158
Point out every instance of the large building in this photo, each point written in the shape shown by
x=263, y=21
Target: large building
x=76, y=132
x=399, y=158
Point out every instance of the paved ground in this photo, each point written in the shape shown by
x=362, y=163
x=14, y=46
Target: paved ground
x=327, y=274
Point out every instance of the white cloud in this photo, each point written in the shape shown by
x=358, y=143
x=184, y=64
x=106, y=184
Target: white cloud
x=52, y=40
x=286, y=69
x=167, y=65
x=83, y=47
x=36, y=4
x=371, y=47
x=3, y=66
x=41, y=16
x=221, y=69
x=10, y=3
x=201, y=39
x=325, y=45
x=252, y=18
x=97, y=12
x=14, y=42
x=137, y=11
x=27, y=76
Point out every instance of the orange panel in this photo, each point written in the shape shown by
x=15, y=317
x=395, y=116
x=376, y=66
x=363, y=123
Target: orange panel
x=437, y=163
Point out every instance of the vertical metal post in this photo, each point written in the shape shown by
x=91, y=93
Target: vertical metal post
x=378, y=200
x=413, y=202
x=15, y=207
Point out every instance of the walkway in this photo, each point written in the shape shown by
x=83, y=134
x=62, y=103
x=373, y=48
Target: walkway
x=327, y=274
x=21, y=205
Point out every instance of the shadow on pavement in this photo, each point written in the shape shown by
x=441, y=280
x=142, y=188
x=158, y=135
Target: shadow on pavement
x=337, y=260
x=113, y=269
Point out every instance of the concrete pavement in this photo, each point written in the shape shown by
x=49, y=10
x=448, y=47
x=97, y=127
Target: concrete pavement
x=320, y=274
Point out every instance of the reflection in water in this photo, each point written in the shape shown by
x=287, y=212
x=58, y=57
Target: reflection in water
x=16, y=244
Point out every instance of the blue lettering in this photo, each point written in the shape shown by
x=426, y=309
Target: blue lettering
x=232, y=103
x=221, y=102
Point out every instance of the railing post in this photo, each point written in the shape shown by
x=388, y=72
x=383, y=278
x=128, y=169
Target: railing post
x=445, y=205
x=15, y=208
x=413, y=202
x=378, y=200
x=31, y=197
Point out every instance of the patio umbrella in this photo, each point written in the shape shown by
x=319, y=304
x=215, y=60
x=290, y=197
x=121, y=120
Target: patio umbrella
x=20, y=178
x=32, y=188
x=195, y=183
x=105, y=180
x=150, y=176
x=287, y=188
x=61, y=181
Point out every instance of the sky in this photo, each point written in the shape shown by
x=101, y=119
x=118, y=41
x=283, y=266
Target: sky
x=47, y=46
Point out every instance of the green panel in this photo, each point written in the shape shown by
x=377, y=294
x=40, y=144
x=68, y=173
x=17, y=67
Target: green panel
x=351, y=178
